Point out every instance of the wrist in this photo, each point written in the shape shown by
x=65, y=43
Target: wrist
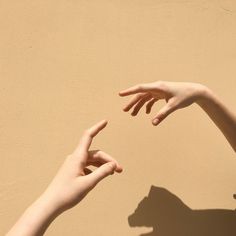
x=204, y=95
x=48, y=202
x=40, y=214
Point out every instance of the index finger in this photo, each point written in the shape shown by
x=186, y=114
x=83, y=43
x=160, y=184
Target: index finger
x=140, y=88
x=89, y=134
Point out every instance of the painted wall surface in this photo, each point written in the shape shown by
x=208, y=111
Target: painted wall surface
x=62, y=64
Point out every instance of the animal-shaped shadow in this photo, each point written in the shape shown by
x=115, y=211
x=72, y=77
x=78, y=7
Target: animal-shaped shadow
x=169, y=216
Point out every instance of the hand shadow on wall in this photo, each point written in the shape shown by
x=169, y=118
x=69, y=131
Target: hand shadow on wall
x=169, y=216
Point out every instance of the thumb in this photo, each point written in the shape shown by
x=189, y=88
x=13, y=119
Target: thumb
x=163, y=113
x=101, y=172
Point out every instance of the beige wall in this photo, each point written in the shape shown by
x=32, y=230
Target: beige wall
x=62, y=63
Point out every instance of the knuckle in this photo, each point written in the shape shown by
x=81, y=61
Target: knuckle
x=138, y=96
x=83, y=163
x=168, y=106
x=109, y=168
x=173, y=104
x=99, y=153
x=139, y=86
x=163, y=113
x=160, y=115
x=161, y=84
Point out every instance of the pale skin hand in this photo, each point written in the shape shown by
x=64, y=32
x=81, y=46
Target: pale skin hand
x=179, y=95
x=70, y=185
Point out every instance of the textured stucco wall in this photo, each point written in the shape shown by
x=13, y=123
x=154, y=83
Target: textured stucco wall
x=62, y=63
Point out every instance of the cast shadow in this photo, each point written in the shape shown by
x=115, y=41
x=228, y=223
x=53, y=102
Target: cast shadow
x=169, y=216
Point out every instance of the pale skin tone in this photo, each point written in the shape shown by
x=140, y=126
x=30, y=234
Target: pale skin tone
x=180, y=95
x=74, y=180
x=70, y=185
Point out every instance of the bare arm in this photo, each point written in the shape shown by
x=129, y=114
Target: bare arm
x=221, y=115
x=71, y=184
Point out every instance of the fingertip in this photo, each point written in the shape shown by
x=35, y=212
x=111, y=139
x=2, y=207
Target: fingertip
x=116, y=167
x=155, y=121
x=134, y=113
x=103, y=123
x=94, y=130
x=121, y=93
x=119, y=168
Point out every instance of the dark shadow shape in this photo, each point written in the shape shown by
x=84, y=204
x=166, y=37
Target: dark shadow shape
x=169, y=216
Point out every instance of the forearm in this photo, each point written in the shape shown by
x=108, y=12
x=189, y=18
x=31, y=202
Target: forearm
x=70, y=185
x=220, y=115
x=36, y=219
